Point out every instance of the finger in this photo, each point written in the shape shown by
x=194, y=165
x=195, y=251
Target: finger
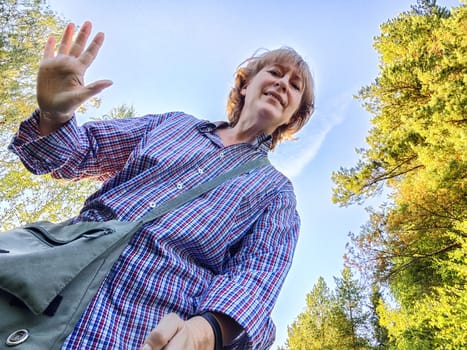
x=67, y=38
x=88, y=56
x=98, y=86
x=49, y=48
x=178, y=342
x=167, y=328
x=70, y=101
x=80, y=42
x=83, y=94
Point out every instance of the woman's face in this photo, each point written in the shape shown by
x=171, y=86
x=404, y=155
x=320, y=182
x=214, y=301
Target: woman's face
x=273, y=96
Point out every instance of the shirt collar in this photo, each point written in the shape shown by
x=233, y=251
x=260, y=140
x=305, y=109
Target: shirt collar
x=263, y=141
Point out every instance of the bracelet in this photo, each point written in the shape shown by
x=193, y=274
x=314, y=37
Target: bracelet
x=215, y=327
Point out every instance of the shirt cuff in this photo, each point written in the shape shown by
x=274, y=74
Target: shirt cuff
x=43, y=154
x=225, y=296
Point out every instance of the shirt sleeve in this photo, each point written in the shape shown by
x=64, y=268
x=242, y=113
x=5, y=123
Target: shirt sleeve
x=249, y=288
x=96, y=149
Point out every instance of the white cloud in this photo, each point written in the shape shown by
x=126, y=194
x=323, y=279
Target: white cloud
x=292, y=157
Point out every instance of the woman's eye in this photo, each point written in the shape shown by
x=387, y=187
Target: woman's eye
x=274, y=72
x=296, y=86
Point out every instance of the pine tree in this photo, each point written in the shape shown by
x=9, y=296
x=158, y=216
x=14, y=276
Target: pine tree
x=350, y=314
x=314, y=328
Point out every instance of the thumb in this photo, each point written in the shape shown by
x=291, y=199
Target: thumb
x=70, y=101
x=165, y=331
x=96, y=87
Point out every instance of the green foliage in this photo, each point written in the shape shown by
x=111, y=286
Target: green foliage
x=119, y=112
x=314, y=328
x=24, y=28
x=332, y=319
x=380, y=332
x=415, y=244
x=349, y=313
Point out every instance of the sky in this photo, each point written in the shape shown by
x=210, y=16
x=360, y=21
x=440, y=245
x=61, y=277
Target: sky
x=180, y=55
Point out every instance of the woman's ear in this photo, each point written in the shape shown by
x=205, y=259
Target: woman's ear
x=244, y=85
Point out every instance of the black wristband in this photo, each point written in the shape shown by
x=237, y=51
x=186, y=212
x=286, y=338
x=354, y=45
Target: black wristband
x=216, y=328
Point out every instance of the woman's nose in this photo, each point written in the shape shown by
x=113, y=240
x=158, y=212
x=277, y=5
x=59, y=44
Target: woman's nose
x=280, y=83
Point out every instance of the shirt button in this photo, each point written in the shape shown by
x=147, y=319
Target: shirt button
x=221, y=155
x=179, y=185
x=152, y=204
x=17, y=337
x=200, y=171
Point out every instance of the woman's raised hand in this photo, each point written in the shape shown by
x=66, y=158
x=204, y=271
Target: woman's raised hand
x=60, y=81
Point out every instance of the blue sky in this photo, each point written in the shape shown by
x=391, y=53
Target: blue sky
x=167, y=55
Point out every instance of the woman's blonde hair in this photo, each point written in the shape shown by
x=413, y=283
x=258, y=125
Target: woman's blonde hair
x=250, y=67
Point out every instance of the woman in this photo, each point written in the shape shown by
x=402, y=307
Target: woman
x=212, y=269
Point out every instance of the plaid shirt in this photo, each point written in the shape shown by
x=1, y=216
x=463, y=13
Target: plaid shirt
x=227, y=251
